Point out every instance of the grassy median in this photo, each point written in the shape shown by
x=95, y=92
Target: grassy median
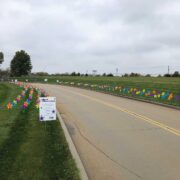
x=30, y=149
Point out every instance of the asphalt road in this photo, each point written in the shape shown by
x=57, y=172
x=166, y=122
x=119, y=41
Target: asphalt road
x=119, y=138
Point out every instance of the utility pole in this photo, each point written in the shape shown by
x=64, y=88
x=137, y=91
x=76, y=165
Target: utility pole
x=116, y=71
x=168, y=69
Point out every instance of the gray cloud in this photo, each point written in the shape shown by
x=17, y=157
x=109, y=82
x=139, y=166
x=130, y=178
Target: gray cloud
x=65, y=36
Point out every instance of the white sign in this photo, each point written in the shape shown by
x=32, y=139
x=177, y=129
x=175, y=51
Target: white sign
x=47, y=109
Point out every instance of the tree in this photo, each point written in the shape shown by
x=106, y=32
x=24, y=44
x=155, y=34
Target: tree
x=5, y=73
x=21, y=64
x=73, y=74
x=147, y=75
x=1, y=57
x=167, y=75
x=125, y=75
x=110, y=75
x=134, y=75
x=176, y=74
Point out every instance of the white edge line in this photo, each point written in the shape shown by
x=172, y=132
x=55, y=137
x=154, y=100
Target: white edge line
x=73, y=150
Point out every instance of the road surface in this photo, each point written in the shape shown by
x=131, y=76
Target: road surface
x=119, y=138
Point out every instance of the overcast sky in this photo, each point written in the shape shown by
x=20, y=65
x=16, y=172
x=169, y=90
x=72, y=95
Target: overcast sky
x=82, y=35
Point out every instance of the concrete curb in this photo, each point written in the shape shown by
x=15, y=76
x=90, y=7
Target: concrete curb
x=80, y=166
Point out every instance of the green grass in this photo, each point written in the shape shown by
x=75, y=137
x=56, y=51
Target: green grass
x=30, y=149
x=162, y=83
x=7, y=93
x=152, y=83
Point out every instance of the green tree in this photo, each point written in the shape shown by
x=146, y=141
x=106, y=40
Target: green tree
x=110, y=75
x=21, y=64
x=176, y=74
x=73, y=74
x=1, y=57
x=167, y=75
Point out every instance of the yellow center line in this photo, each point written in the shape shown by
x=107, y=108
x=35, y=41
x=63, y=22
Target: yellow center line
x=144, y=118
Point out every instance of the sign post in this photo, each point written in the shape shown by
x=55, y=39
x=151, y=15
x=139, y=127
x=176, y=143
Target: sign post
x=47, y=109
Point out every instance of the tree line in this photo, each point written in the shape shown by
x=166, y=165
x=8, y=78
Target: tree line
x=175, y=74
x=21, y=66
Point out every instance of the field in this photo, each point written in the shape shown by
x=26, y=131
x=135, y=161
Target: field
x=159, y=84
x=30, y=149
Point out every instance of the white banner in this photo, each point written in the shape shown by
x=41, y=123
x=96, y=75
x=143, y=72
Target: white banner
x=47, y=109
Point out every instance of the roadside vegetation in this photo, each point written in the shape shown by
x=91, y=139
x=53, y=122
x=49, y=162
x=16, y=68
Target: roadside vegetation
x=159, y=85
x=30, y=149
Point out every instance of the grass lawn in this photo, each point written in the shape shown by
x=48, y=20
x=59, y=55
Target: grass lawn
x=30, y=149
x=161, y=84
